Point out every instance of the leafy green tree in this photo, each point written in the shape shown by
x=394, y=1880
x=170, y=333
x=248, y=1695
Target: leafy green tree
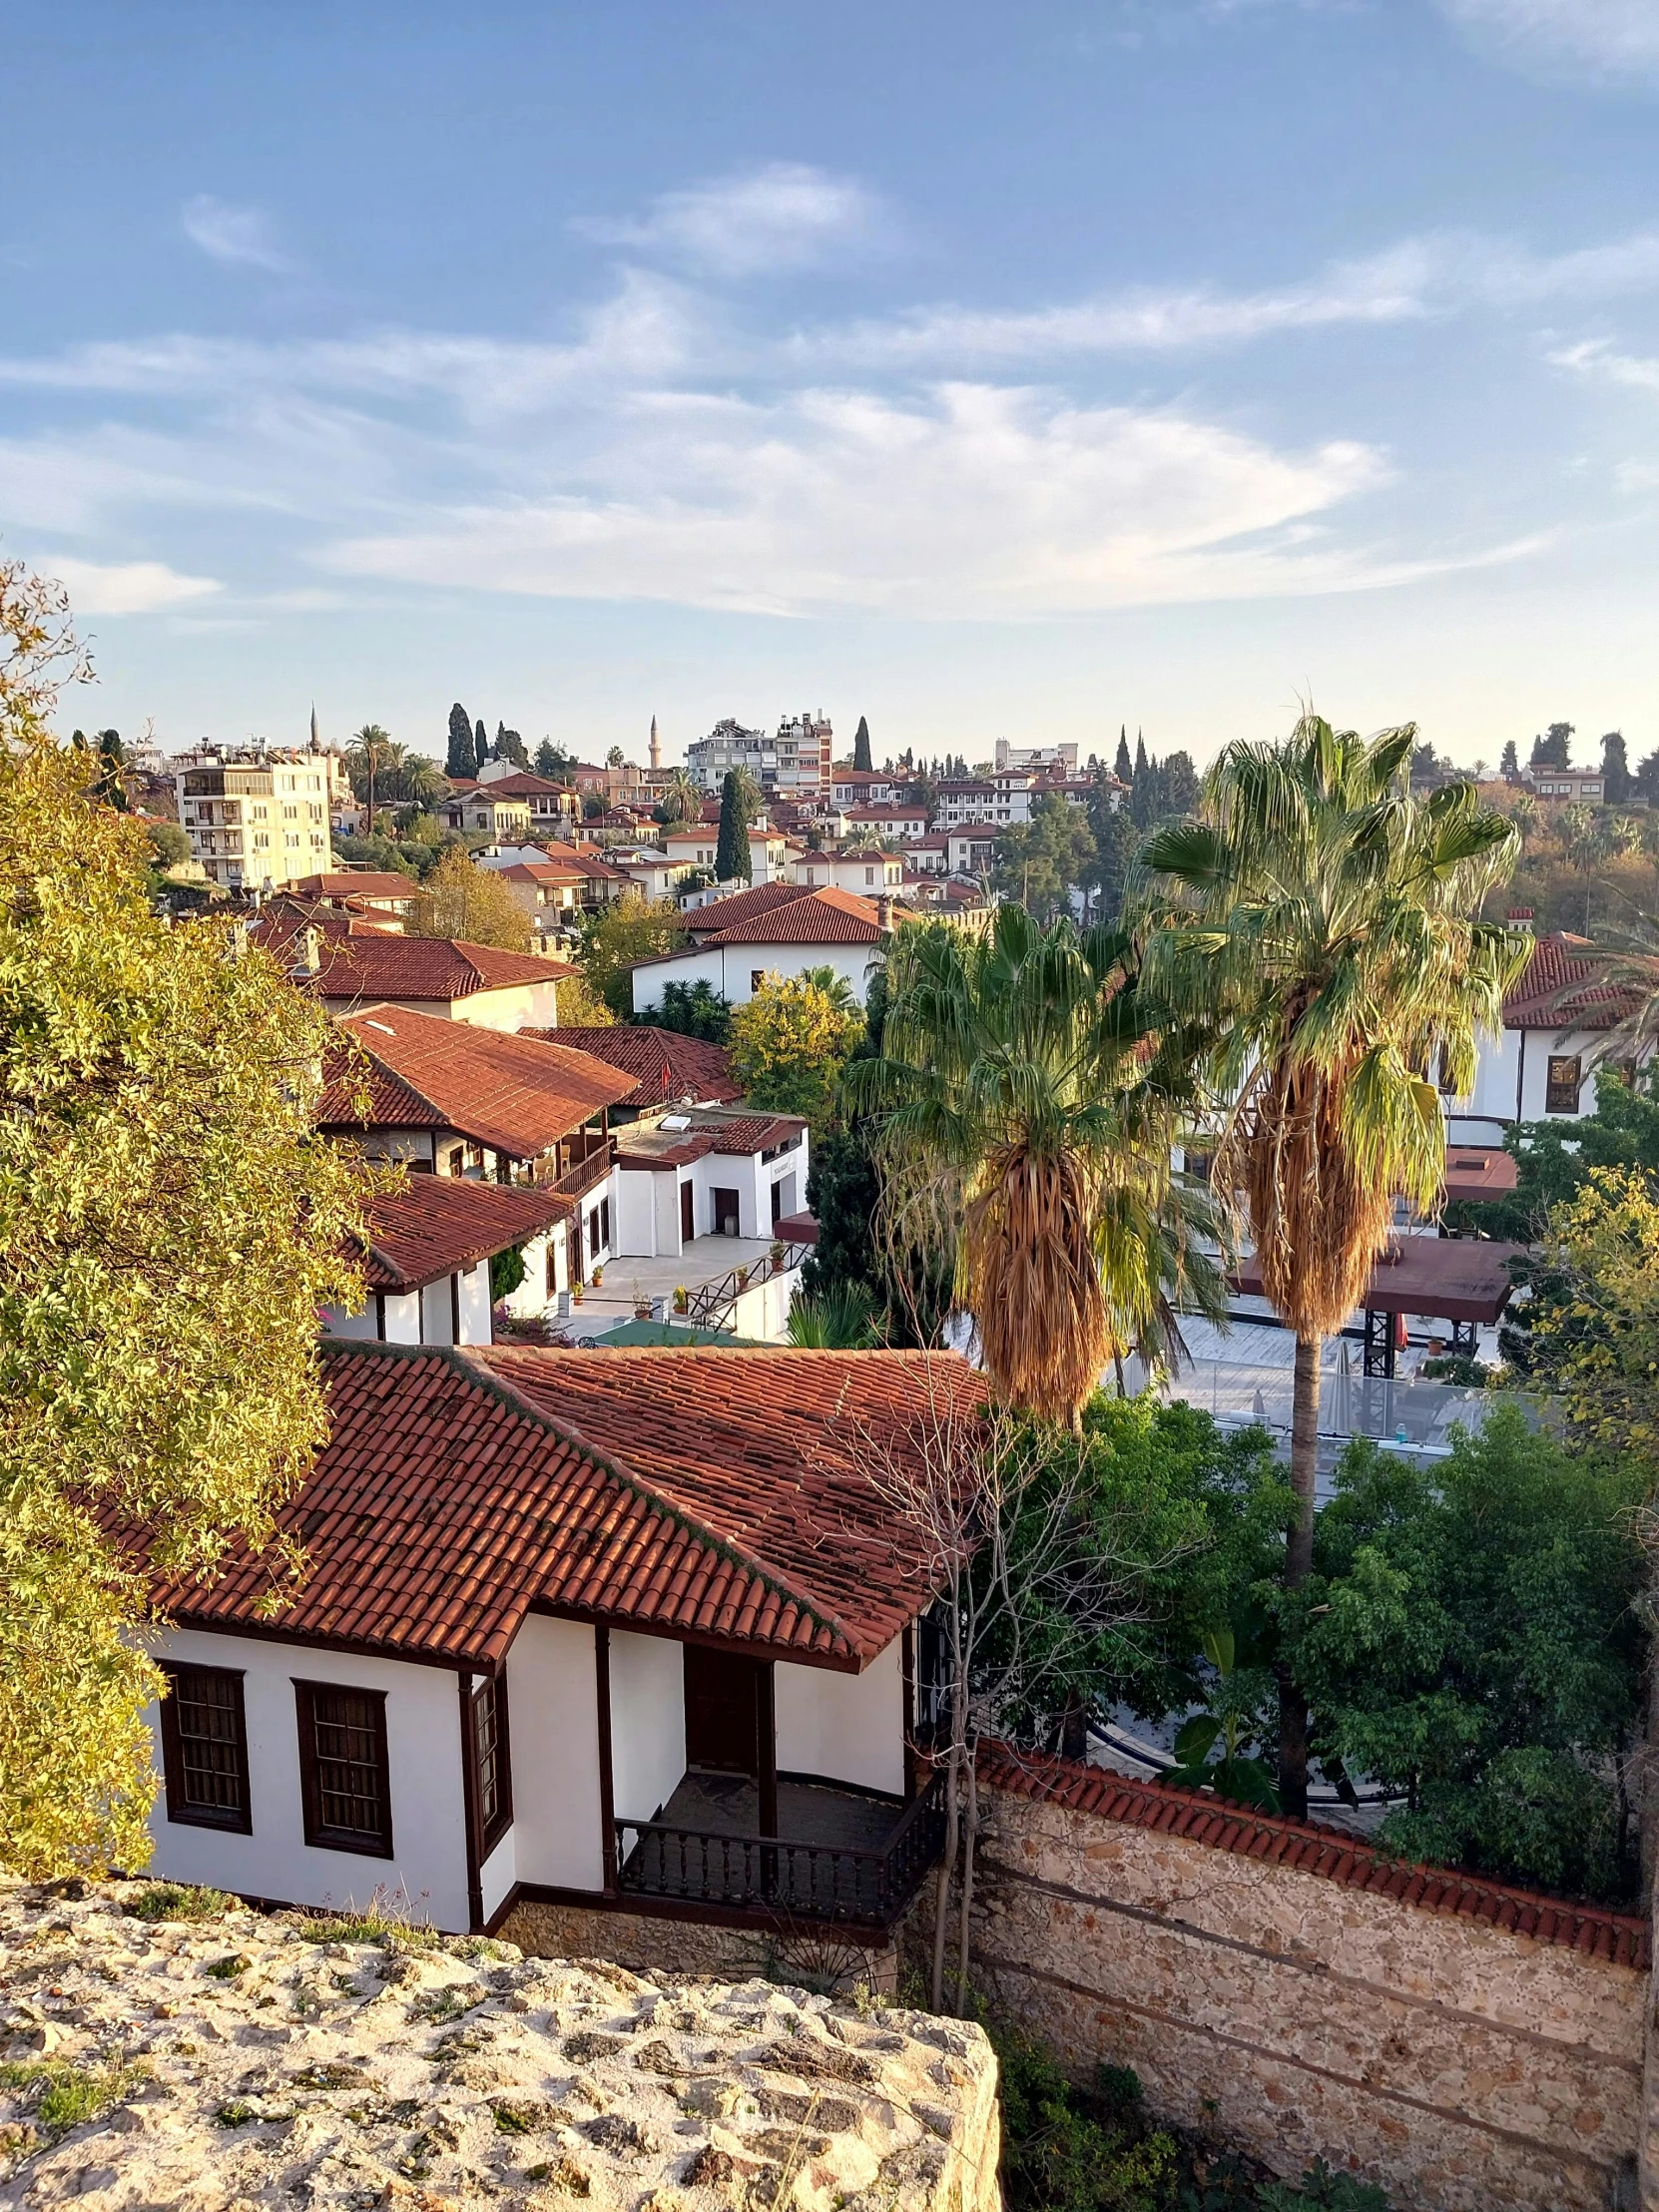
x=841, y=1319
x=1647, y=779
x=553, y=761
x=168, y=843
x=1617, y=784
x=682, y=799
x=691, y=1010
x=460, y=899
x=1027, y=1100
x=169, y=1226
x=790, y=1043
x=1468, y=1635
x=732, y=860
x=860, y=745
x=1554, y=1158
x=1042, y=861
x=613, y=938
x=1554, y=748
x=1321, y=919
x=1509, y=766
x=1181, y=785
x=509, y=746
x=462, y=760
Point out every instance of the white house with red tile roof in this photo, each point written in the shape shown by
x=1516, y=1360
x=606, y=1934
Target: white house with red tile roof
x=867, y=870
x=707, y=1171
x=427, y=1262
x=440, y=976
x=775, y=930
x=1542, y=1065
x=572, y=1626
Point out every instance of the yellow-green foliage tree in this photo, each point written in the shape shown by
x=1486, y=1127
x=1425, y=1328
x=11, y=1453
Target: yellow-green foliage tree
x=460, y=900
x=631, y=929
x=169, y=1227
x=1594, y=1315
x=790, y=1042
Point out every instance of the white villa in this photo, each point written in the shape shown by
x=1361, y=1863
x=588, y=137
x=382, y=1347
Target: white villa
x=625, y=1629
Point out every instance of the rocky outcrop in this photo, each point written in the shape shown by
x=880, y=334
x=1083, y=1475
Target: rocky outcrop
x=221, y=2060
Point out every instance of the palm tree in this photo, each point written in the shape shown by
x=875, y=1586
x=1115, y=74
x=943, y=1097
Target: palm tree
x=1320, y=919
x=1025, y=1105
x=682, y=796
x=372, y=748
x=834, y=987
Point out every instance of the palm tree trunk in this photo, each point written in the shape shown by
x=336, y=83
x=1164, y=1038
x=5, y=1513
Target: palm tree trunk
x=1299, y=1561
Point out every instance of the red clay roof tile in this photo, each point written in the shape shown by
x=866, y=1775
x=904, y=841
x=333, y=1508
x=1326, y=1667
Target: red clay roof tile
x=668, y=1067
x=440, y=1224
x=358, y=970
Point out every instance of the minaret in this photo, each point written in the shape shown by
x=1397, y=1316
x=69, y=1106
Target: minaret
x=317, y=741
x=656, y=748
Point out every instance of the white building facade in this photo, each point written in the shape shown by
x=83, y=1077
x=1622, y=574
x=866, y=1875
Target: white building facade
x=257, y=817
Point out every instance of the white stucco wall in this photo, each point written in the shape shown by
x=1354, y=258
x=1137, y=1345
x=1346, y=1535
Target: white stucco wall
x=648, y=1723
x=423, y=1750
x=1511, y=1083
x=517, y=1006
x=475, y=1305
x=553, y=1719
x=404, y=1316
x=729, y=969
x=634, y=1229
x=437, y=1318
x=336, y=1321
x=846, y=1727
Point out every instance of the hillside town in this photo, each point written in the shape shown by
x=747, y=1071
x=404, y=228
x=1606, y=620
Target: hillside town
x=830, y=1108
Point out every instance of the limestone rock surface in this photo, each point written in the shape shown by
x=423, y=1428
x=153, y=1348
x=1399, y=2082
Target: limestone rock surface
x=218, y=2063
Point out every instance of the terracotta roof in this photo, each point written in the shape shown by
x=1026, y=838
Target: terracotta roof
x=1547, y=996
x=366, y=968
x=667, y=1066
x=1331, y=1853
x=516, y=1094
x=724, y=913
x=762, y=1448
x=1478, y=1172
x=359, y=883
x=438, y=1225
x=826, y=916
x=454, y=1493
x=283, y=919
x=742, y=1134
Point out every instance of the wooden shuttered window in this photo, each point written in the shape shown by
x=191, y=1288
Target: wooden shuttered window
x=205, y=1749
x=344, y=1780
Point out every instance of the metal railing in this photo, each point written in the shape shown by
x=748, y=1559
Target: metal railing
x=819, y=1882
x=713, y=1305
x=1397, y=1410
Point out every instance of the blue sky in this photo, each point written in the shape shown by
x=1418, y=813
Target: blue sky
x=987, y=370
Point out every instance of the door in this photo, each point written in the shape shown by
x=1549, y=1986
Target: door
x=725, y=1205
x=723, y=1706
x=688, y=1213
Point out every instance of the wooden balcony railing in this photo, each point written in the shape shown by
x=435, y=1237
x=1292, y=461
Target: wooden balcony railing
x=806, y=1880
x=584, y=1175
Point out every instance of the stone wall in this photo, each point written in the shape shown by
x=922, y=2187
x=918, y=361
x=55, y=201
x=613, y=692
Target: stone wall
x=1463, y=2045
x=650, y=1943
x=238, y=2062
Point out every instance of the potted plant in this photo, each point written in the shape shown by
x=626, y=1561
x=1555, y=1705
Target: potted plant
x=743, y=1279
x=777, y=1250
x=682, y=1300
x=576, y=1294
x=598, y=1277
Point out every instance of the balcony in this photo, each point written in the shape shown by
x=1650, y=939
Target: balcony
x=838, y=1856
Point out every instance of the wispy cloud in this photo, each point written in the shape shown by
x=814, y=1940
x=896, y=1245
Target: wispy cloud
x=238, y=234
x=1595, y=358
x=783, y=216
x=1607, y=39
x=124, y=587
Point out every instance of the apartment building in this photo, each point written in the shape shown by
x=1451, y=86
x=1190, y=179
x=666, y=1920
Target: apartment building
x=257, y=817
x=794, y=763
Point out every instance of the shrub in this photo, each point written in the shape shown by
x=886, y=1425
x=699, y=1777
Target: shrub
x=173, y=1900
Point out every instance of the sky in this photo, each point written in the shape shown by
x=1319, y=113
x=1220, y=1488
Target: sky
x=987, y=370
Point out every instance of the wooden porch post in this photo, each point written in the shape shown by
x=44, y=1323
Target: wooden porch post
x=607, y=1799
x=765, y=1728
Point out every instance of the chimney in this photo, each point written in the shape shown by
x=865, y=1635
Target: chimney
x=883, y=911
x=310, y=957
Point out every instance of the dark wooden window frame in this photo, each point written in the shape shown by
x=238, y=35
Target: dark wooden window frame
x=318, y=1834
x=488, y=1693
x=1562, y=1094
x=238, y=1821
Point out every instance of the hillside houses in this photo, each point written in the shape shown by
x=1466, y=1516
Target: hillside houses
x=774, y=928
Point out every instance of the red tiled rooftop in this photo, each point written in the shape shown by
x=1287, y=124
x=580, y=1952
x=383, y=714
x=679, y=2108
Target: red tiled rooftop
x=667, y=1066
x=438, y=1225
x=1557, y=989
x=362, y=969
x=726, y=913
x=357, y=884
x=1331, y=1853
x=516, y=1094
x=456, y=1491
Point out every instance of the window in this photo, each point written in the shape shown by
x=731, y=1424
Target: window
x=491, y=1777
x=344, y=1782
x=757, y=976
x=205, y=1749
x=1562, y=1083
x=593, y=1234
x=605, y=1223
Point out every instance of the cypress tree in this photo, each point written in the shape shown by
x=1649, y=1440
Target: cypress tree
x=480, y=746
x=1140, y=756
x=1509, y=767
x=1615, y=768
x=1123, y=768
x=861, y=745
x=732, y=845
x=462, y=758
x=509, y=746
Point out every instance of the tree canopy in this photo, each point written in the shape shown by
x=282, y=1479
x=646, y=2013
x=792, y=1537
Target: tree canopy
x=460, y=899
x=462, y=760
x=731, y=858
x=632, y=929
x=790, y=1043
x=860, y=745
x=169, y=1227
